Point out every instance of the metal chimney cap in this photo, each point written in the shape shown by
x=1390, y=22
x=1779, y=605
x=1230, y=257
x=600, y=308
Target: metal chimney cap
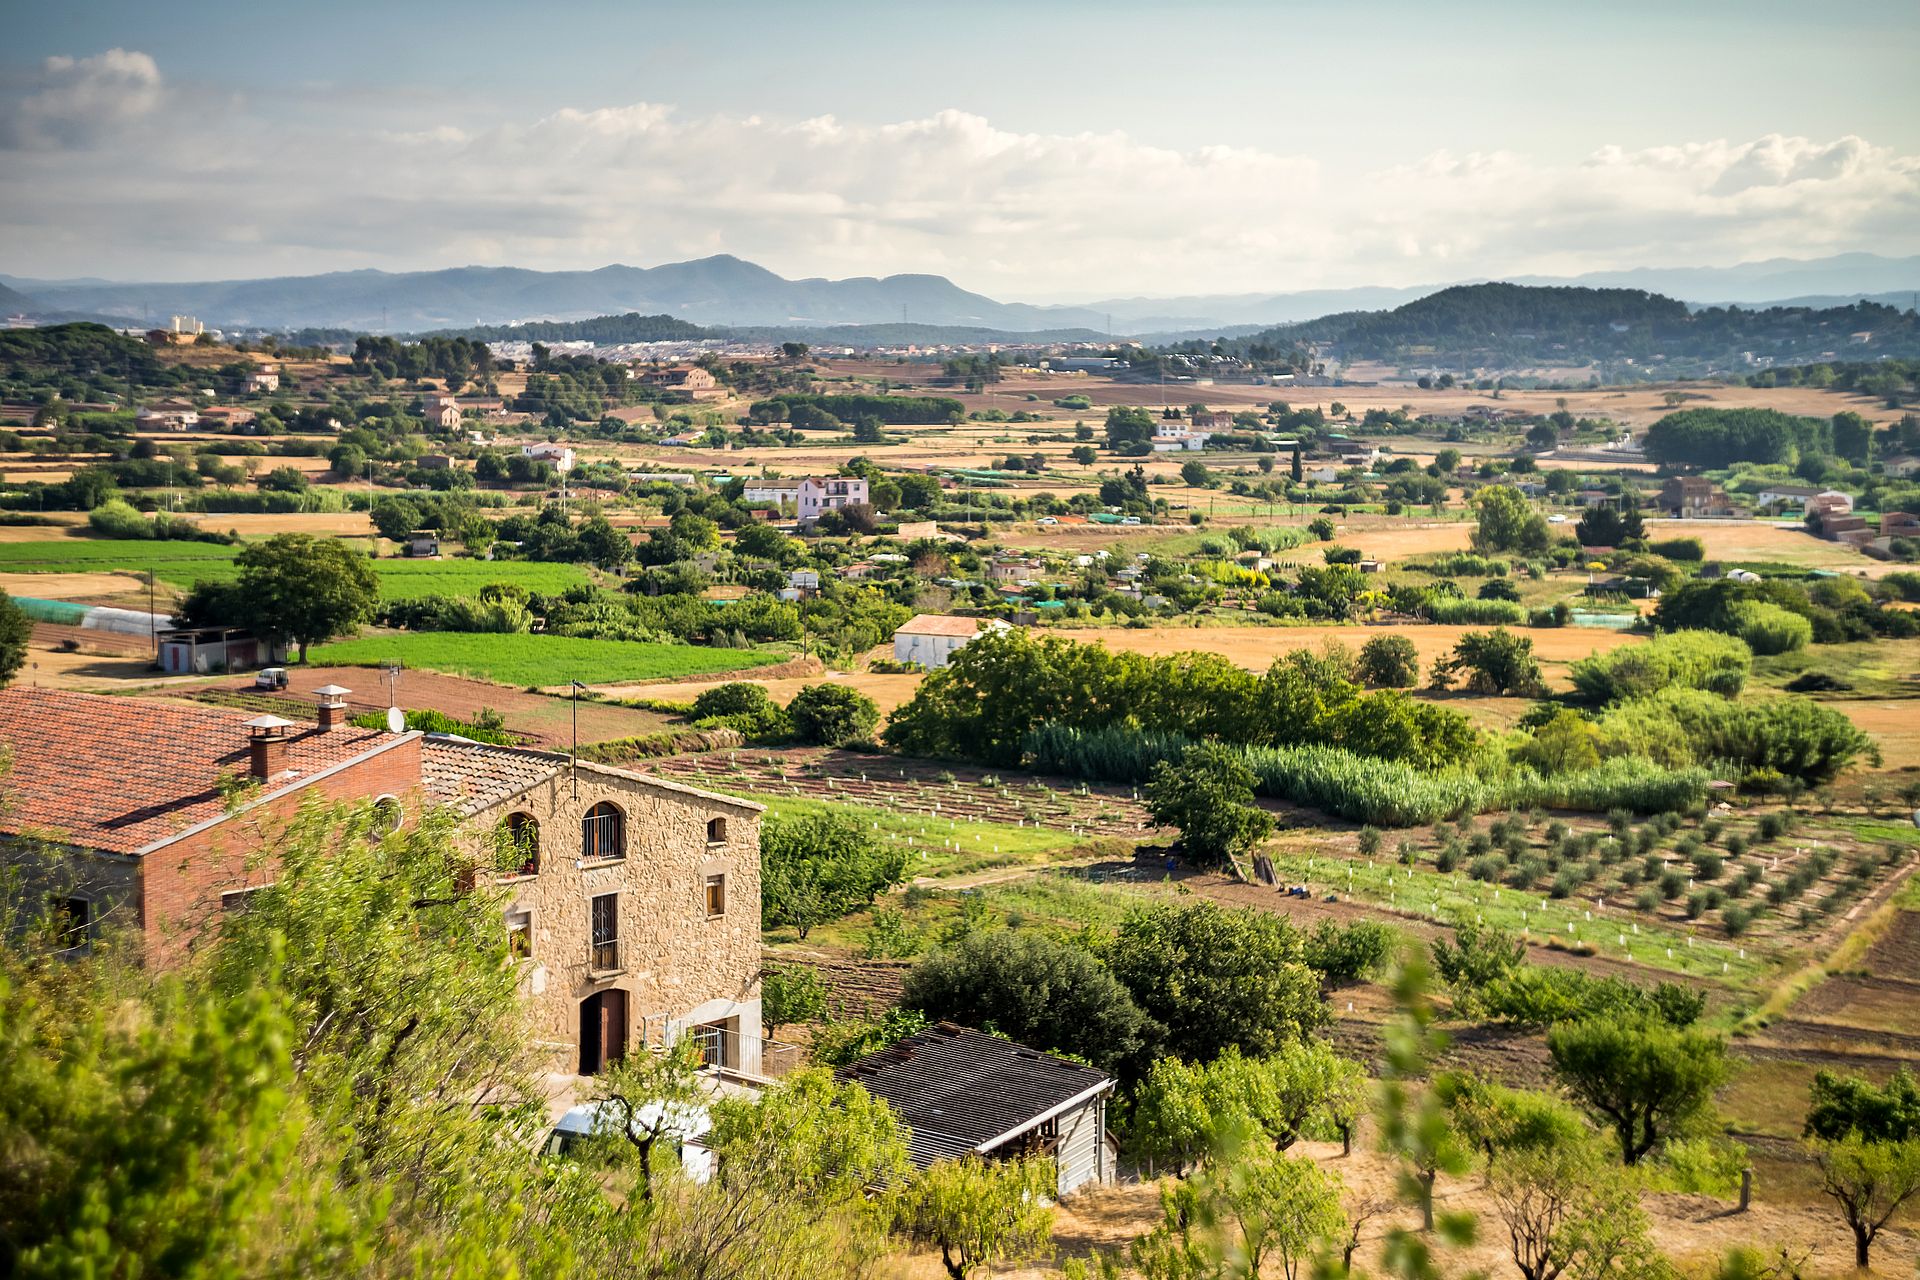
x=332, y=691
x=268, y=724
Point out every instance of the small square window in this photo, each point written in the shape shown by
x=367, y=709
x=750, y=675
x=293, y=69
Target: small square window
x=520, y=935
x=238, y=900
x=716, y=896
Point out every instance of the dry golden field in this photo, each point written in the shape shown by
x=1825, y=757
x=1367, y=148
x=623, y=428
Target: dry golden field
x=1256, y=647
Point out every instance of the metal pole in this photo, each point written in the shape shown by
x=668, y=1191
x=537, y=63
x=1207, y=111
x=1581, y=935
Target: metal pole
x=573, y=764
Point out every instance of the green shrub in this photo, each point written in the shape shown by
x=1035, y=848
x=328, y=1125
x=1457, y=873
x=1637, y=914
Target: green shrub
x=1682, y=659
x=1679, y=549
x=1450, y=611
x=833, y=715
x=1769, y=629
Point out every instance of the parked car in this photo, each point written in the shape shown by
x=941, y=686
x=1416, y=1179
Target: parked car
x=682, y=1131
x=271, y=678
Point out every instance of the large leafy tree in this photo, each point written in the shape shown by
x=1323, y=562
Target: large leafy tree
x=1216, y=978
x=819, y=867
x=1640, y=1077
x=1042, y=992
x=1508, y=522
x=303, y=589
x=1208, y=795
x=1865, y=1140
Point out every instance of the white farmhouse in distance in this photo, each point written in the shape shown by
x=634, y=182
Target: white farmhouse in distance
x=931, y=639
x=558, y=454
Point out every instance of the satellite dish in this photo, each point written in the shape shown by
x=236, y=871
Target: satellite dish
x=396, y=720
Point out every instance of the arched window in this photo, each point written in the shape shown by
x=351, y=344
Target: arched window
x=522, y=832
x=603, y=832
x=716, y=831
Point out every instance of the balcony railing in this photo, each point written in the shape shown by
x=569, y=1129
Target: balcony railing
x=725, y=1050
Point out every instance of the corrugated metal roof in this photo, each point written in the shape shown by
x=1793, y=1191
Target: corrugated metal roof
x=956, y=1089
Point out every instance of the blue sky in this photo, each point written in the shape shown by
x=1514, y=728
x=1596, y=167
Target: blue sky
x=1029, y=151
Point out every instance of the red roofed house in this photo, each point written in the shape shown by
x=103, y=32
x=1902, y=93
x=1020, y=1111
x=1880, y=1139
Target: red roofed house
x=634, y=914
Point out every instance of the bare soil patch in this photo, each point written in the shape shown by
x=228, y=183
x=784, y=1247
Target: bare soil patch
x=544, y=721
x=89, y=587
x=957, y=792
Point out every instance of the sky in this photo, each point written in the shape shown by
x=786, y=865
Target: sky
x=1034, y=153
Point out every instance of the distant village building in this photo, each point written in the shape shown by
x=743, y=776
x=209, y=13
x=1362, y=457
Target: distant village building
x=228, y=418
x=1797, y=495
x=831, y=493
x=1692, y=496
x=775, y=493
x=1170, y=435
x=690, y=382
x=168, y=415
x=932, y=639
x=264, y=379
x=559, y=456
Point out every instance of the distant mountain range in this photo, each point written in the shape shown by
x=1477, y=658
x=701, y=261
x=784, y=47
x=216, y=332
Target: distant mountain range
x=726, y=291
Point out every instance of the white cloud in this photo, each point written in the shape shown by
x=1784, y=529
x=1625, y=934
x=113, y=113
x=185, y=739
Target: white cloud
x=78, y=101
x=226, y=192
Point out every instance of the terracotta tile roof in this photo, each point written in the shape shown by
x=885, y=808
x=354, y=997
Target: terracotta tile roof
x=934, y=624
x=121, y=774
x=470, y=776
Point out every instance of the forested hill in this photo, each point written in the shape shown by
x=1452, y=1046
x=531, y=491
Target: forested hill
x=1509, y=325
x=631, y=327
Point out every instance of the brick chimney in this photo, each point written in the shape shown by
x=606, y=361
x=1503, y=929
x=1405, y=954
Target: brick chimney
x=333, y=706
x=267, y=743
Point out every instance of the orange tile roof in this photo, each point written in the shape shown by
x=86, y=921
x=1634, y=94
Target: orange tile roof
x=122, y=774
x=471, y=776
x=934, y=624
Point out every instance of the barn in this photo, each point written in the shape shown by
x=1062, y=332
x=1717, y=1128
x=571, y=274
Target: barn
x=962, y=1092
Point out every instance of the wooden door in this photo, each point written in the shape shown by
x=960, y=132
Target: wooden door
x=613, y=1026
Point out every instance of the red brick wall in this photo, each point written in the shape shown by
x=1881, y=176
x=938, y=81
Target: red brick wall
x=181, y=883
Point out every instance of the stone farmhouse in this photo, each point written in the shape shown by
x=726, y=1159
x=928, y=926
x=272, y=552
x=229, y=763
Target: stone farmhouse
x=633, y=908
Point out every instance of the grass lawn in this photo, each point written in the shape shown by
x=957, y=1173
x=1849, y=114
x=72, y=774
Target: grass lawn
x=181, y=564
x=1452, y=897
x=525, y=660
x=407, y=579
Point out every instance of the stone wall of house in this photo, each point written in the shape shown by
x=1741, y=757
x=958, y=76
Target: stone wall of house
x=679, y=966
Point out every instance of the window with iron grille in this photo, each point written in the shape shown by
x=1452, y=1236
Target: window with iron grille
x=602, y=832
x=606, y=931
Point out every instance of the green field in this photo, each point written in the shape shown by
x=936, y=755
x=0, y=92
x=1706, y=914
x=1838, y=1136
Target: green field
x=181, y=564
x=1615, y=933
x=524, y=660
x=406, y=579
